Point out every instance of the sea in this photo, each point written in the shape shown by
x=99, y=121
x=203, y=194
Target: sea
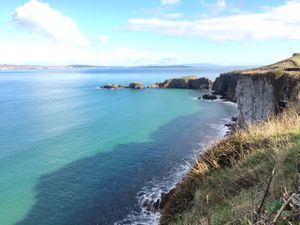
x=72, y=153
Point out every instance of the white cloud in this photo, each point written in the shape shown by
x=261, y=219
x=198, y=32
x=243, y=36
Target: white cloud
x=171, y=15
x=170, y=2
x=282, y=22
x=221, y=4
x=161, y=12
x=104, y=39
x=39, y=17
x=216, y=7
x=32, y=50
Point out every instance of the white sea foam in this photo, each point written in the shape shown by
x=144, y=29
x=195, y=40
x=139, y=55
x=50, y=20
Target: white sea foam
x=221, y=129
x=152, y=192
x=219, y=100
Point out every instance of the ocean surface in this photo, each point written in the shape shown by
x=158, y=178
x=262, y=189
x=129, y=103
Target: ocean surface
x=73, y=154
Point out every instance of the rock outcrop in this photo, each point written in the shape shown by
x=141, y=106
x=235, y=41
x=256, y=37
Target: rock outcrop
x=225, y=85
x=113, y=86
x=187, y=82
x=136, y=85
x=263, y=91
x=209, y=97
x=154, y=86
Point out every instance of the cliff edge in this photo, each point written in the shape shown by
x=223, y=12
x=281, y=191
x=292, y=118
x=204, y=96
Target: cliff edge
x=262, y=91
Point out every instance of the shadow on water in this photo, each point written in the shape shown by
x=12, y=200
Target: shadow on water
x=102, y=189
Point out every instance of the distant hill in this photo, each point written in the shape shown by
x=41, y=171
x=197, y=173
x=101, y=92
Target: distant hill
x=29, y=67
x=79, y=66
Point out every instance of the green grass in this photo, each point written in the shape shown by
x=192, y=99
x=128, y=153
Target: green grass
x=230, y=192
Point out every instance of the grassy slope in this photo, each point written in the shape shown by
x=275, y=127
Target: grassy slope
x=279, y=67
x=229, y=180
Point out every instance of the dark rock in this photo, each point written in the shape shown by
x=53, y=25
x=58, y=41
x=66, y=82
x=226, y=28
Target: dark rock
x=231, y=126
x=112, y=86
x=233, y=119
x=210, y=97
x=165, y=197
x=151, y=205
x=157, y=204
x=296, y=54
x=201, y=83
x=225, y=85
x=136, y=85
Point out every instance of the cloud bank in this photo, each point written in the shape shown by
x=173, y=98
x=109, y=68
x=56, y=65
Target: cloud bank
x=282, y=22
x=38, y=17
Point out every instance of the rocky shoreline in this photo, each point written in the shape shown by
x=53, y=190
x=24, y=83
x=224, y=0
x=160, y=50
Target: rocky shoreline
x=258, y=94
x=156, y=205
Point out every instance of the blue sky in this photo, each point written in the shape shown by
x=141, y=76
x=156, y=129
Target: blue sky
x=135, y=32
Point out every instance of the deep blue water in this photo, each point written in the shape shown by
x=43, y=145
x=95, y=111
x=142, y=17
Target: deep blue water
x=71, y=154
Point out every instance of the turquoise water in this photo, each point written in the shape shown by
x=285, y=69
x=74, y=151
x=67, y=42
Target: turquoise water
x=73, y=154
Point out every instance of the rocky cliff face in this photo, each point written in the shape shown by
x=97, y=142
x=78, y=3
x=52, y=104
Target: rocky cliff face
x=255, y=99
x=225, y=85
x=263, y=91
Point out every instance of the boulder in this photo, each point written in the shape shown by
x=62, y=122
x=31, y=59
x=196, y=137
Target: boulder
x=136, y=85
x=209, y=97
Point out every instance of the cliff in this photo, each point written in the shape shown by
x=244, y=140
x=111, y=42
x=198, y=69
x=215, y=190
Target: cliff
x=262, y=91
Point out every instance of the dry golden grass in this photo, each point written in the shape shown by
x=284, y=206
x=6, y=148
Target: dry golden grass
x=228, y=181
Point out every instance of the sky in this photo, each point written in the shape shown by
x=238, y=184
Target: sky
x=149, y=32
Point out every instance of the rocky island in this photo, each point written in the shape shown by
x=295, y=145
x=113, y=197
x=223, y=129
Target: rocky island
x=186, y=82
x=134, y=85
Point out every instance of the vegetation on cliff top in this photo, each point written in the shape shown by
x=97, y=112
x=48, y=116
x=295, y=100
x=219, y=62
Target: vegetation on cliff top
x=289, y=66
x=228, y=183
x=293, y=61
